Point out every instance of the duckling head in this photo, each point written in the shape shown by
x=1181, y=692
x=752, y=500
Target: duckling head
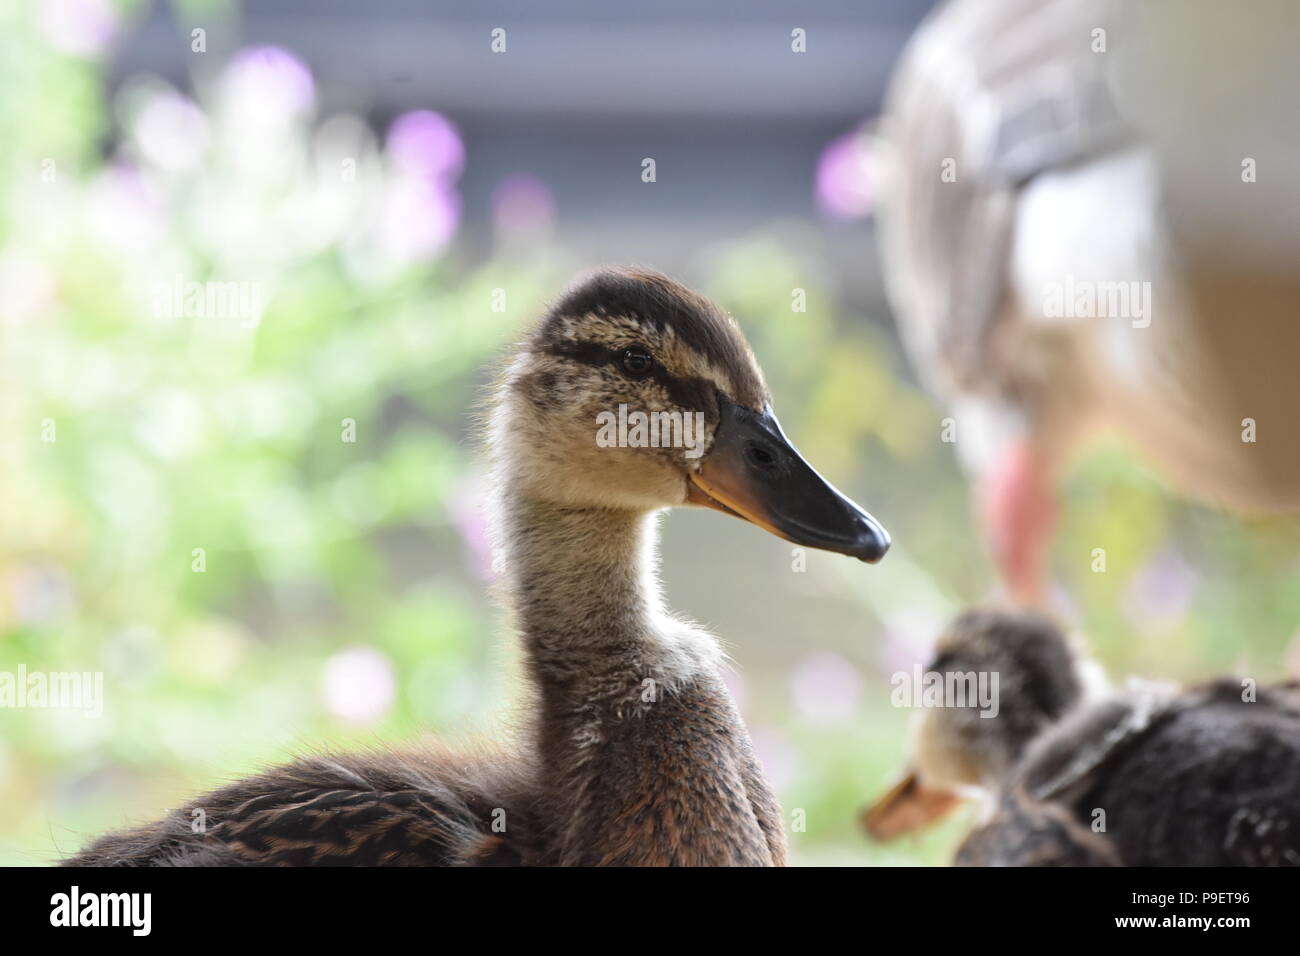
x=634, y=393
x=1010, y=675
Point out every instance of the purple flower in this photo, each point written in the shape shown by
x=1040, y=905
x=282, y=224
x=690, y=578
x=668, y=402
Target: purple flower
x=522, y=203
x=426, y=145
x=845, y=186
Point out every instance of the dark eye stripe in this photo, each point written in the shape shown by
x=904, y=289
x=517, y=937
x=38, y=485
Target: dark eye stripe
x=688, y=392
x=588, y=353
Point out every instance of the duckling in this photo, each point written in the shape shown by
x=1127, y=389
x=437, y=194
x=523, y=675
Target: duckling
x=1066, y=257
x=632, y=751
x=1073, y=773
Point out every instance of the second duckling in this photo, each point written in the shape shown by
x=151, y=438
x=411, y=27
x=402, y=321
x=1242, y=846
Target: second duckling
x=1075, y=774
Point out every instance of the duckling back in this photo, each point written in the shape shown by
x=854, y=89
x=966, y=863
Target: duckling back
x=1208, y=777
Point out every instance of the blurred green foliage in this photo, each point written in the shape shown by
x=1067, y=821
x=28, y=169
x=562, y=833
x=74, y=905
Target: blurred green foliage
x=172, y=434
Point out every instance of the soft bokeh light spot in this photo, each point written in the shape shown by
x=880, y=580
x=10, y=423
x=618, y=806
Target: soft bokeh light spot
x=26, y=286
x=132, y=657
x=427, y=145
x=358, y=685
x=521, y=202
x=826, y=687
x=420, y=217
x=845, y=184
x=124, y=211
x=170, y=423
x=41, y=594
x=268, y=84
x=1162, y=591
x=81, y=27
x=170, y=131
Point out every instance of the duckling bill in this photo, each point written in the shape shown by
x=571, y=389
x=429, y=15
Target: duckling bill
x=755, y=473
x=632, y=751
x=1072, y=773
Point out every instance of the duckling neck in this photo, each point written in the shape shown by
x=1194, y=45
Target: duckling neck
x=584, y=588
x=631, y=712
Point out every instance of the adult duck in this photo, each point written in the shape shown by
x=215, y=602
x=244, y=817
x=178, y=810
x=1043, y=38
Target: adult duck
x=1077, y=240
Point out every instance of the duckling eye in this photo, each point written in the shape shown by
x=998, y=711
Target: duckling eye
x=637, y=363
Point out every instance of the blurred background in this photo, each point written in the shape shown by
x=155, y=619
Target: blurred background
x=181, y=511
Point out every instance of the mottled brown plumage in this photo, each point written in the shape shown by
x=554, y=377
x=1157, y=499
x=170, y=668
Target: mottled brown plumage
x=632, y=751
x=382, y=809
